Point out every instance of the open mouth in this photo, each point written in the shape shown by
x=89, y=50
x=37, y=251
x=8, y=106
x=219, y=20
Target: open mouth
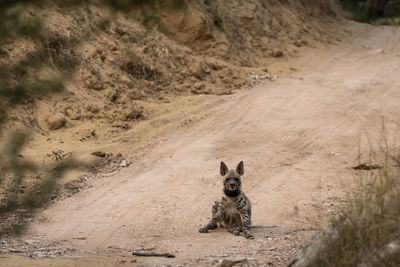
x=232, y=188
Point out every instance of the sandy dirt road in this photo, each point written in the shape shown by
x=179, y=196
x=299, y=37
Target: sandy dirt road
x=298, y=137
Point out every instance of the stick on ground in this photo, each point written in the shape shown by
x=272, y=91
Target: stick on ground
x=152, y=254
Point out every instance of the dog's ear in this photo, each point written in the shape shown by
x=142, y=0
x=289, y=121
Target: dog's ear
x=223, y=169
x=240, y=168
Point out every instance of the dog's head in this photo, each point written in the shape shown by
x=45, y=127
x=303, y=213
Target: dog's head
x=232, y=179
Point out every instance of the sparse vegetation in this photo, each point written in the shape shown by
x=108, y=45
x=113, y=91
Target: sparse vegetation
x=395, y=21
x=367, y=233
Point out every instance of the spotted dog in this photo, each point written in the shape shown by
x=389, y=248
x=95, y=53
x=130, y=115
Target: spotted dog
x=233, y=212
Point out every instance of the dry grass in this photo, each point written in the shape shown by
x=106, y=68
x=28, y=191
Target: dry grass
x=367, y=232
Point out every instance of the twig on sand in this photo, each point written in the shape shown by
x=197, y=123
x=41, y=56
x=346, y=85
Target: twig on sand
x=153, y=254
x=367, y=167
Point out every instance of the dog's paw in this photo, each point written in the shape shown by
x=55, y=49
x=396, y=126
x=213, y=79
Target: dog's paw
x=248, y=235
x=203, y=230
x=236, y=232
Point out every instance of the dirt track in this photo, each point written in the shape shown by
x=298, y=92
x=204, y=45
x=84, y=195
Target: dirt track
x=297, y=136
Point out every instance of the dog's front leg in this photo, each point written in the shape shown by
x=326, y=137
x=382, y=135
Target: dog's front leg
x=216, y=214
x=244, y=212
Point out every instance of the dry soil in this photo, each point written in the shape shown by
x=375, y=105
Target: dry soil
x=298, y=136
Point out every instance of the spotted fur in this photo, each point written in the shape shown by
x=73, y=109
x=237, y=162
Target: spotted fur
x=233, y=211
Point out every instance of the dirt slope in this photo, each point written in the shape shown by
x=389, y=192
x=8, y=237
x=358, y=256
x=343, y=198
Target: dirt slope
x=130, y=84
x=298, y=137
x=121, y=70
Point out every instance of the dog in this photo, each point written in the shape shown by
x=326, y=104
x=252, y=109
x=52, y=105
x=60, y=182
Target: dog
x=233, y=212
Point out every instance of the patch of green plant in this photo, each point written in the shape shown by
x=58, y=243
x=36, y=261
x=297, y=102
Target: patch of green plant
x=387, y=22
x=379, y=11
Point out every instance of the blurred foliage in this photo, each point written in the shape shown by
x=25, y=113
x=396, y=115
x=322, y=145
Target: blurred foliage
x=21, y=201
x=387, y=21
x=380, y=12
x=367, y=230
x=47, y=63
x=43, y=69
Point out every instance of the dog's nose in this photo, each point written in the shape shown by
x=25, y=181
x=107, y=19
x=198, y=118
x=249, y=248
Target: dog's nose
x=232, y=184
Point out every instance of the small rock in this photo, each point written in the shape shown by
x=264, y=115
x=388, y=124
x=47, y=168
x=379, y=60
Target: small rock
x=277, y=52
x=199, y=85
x=213, y=63
x=72, y=114
x=135, y=94
x=205, y=68
x=124, y=126
x=187, y=84
x=93, y=83
x=106, y=79
x=56, y=121
x=230, y=263
x=83, y=178
x=3, y=242
x=126, y=80
x=113, y=96
x=196, y=70
x=93, y=108
x=99, y=154
x=123, y=163
x=37, y=254
x=300, y=43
